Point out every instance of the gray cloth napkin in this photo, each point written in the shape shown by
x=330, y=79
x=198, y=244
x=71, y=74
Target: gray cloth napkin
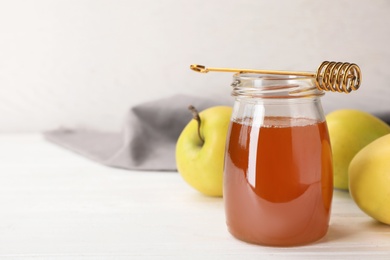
x=148, y=139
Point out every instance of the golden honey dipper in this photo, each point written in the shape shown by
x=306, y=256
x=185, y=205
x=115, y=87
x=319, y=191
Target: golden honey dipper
x=330, y=76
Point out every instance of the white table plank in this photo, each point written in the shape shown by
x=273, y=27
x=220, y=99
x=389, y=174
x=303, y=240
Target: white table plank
x=58, y=205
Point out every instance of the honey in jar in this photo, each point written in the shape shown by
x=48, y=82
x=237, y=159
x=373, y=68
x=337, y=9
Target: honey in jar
x=278, y=169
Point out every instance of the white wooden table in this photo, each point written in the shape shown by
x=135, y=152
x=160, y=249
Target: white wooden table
x=55, y=204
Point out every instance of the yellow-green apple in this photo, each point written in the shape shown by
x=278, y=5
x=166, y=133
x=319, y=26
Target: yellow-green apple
x=350, y=130
x=200, y=149
x=369, y=179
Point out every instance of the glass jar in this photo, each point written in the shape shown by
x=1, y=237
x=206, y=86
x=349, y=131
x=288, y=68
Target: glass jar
x=278, y=182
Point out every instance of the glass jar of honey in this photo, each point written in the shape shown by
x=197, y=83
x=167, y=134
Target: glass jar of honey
x=278, y=166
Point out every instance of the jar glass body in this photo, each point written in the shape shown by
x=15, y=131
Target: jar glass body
x=278, y=166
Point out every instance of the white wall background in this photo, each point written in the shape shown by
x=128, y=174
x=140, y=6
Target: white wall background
x=83, y=63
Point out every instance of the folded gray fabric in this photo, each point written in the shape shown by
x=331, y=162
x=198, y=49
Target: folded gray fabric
x=148, y=139
x=385, y=116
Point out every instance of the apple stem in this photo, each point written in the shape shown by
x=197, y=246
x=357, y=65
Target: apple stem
x=195, y=115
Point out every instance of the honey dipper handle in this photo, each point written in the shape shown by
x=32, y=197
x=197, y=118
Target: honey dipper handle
x=204, y=69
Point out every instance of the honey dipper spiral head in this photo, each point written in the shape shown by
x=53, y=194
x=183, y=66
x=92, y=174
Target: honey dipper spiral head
x=338, y=76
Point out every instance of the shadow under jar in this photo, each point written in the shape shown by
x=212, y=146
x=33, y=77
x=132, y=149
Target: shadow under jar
x=278, y=166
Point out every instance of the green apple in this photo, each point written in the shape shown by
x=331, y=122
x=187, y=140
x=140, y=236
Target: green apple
x=200, y=150
x=369, y=179
x=350, y=131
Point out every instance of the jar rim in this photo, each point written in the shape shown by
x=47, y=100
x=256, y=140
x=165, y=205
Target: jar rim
x=274, y=86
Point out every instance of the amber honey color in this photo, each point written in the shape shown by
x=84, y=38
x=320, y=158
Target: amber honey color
x=278, y=181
